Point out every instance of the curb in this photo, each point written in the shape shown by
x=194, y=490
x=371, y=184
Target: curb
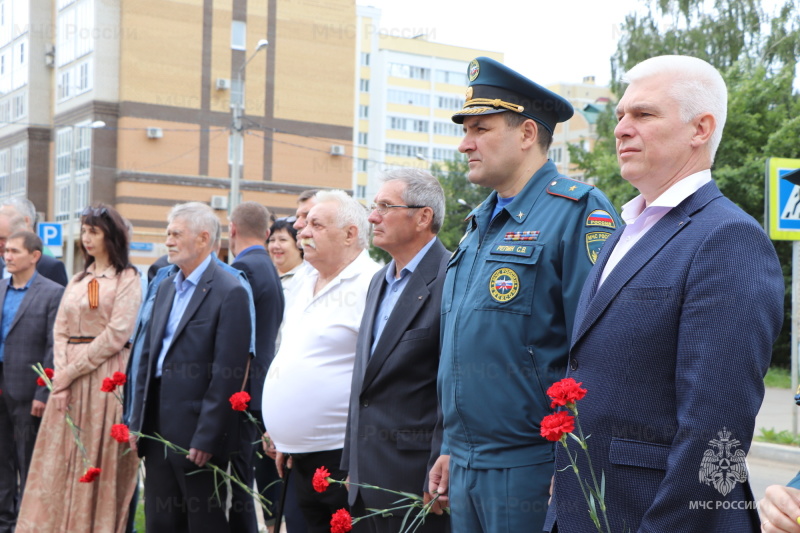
x=775, y=452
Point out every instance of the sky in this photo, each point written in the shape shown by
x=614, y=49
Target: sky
x=549, y=41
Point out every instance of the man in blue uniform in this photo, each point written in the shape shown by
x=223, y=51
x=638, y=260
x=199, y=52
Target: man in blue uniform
x=509, y=299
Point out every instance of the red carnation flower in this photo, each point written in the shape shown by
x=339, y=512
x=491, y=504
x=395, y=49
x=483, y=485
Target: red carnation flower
x=108, y=385
x=556, y=425
x=565, y=391
x=91, y=474
x=120, y=433
x=320, y=481
x=341, y=521
x=47, y=372
x=119, y=379
x=239, y=401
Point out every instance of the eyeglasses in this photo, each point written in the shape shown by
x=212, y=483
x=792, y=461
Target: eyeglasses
x=94, y=212
x=382, y=207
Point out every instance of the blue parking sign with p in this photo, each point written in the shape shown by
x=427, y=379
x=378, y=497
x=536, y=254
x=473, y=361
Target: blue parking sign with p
x=50, y=233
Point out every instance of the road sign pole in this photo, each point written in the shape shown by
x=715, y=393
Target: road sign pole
x=795, y=323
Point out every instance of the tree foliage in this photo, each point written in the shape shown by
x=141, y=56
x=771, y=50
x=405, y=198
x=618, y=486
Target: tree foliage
x=453, y=177
x=757, y=55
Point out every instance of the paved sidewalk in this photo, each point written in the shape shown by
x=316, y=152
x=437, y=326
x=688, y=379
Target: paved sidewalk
x=776, y=413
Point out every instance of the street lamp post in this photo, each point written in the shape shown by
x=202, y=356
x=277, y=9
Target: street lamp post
x=72, y=164
x=237, y=111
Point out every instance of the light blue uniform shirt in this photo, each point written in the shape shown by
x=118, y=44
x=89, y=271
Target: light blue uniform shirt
x=184, y=289
x=394, y=289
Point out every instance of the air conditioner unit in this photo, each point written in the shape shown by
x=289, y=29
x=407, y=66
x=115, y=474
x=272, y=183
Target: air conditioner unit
x=219, y=202
x=337, y=149
x=155, y=133
x=223, y=84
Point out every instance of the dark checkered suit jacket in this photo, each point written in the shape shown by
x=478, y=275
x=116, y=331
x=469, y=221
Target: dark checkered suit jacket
x=672, y=349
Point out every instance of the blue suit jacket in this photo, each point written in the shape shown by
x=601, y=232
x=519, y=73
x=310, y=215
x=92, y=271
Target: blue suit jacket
x=672, y=349
x=204, y=366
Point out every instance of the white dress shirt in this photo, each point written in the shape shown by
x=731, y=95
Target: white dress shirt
x=640, y=217
x=307, y=390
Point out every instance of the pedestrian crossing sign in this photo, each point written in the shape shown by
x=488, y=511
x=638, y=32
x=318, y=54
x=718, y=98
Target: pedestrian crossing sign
x=783, y=199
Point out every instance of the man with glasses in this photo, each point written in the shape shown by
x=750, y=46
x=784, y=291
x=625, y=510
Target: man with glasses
x=393, y=437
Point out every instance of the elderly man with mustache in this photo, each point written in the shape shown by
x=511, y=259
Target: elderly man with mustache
x=307, y=390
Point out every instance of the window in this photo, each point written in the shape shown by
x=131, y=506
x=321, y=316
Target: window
x=555, y=154
x=447, y=128
x=364, y=59
x=361, y=191
x=363, y=85
x=70, y=151
x=362, y=137
x=451, y=77
x=445, y=154
x=362, y=165
x=396, y=96
x=83, y=82
x=400, y=70
x=18, y=108
x=237, y=92
x=65, y=85
x=4, y=163
x=238, y=35
x=5, y=112
x=449, y=102
x=409, y=124
x=19, y=166
x=363, y=111
x=406, y=150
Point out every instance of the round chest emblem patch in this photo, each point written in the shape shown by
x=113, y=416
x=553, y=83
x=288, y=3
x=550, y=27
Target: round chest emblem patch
x=504, y=285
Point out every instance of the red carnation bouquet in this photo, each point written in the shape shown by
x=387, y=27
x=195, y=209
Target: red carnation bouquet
x=45, y=379
x=342, y=521
x=557, y=426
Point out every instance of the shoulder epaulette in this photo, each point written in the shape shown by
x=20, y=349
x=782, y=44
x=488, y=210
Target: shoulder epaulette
x=568, y=188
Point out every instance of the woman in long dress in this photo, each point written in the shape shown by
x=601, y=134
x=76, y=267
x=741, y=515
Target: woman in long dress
x=91, y=333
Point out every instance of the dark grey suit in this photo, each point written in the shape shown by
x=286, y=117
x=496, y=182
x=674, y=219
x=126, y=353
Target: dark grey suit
x=188, y=405
x=393, y=436
x=29, y=341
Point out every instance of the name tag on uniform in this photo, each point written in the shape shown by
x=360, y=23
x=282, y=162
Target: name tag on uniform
x=523, y=250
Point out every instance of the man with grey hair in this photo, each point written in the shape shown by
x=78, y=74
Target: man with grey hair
x=394, y=433
x=194, y=358
x=307, y=390
x=20, y=215
x=678, y=314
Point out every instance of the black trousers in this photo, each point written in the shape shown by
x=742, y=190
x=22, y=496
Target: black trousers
x=18, y=431
x=318, y=507
x=179, y=497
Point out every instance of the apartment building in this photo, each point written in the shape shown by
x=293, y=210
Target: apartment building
x=408, y=88
x=130, y=103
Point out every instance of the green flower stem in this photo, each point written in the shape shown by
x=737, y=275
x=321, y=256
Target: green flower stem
x=264, y=502
x=600, y=495
x=574, y=462
x=76, y=431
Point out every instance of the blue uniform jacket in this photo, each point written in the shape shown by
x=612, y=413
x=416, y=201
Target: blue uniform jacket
x=509, y=299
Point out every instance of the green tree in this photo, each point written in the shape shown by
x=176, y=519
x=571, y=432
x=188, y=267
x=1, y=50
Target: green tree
x=453, y=177
x=757, y=55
